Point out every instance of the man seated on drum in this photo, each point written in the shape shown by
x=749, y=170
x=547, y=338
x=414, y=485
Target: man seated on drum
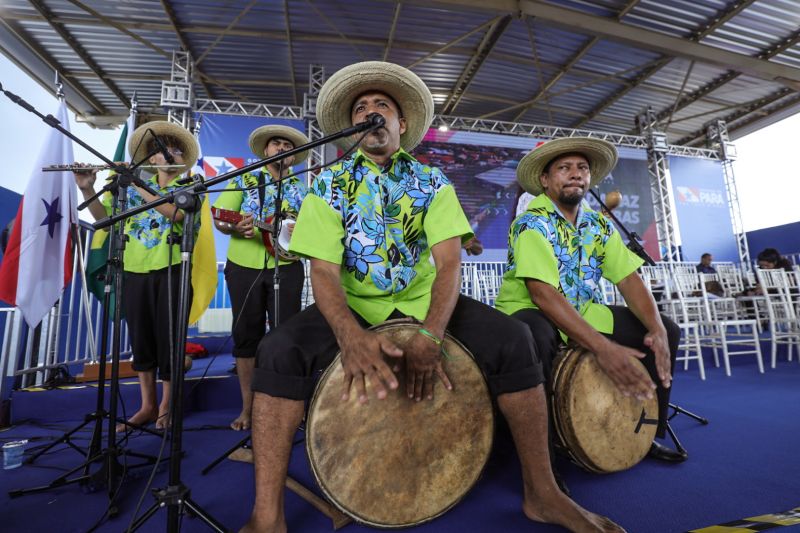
x=558, y=250
x=249, y=270
x=370, y=225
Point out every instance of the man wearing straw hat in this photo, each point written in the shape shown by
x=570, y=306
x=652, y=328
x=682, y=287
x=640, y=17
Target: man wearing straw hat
x=370, y=224
x=250, y=268
x=558, y=250
x=148, y=256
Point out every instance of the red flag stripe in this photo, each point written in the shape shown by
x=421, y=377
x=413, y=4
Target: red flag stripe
x=10, y=266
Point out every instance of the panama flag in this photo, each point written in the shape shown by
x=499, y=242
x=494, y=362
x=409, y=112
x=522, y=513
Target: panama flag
x=38, y=261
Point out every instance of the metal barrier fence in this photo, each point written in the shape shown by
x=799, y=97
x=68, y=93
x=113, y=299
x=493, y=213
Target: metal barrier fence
x=69, y=334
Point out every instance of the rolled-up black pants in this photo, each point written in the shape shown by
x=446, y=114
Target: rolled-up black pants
x=292, y=357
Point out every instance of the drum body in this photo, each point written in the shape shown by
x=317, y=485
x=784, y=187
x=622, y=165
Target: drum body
x=282, y=242
x=602, y=430
x=397, y=462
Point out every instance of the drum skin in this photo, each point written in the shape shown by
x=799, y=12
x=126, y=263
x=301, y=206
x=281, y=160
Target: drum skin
x=602, y=430
x=396, y=462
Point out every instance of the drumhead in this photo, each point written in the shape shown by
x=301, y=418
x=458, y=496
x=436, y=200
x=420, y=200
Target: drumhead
x=603, y=430
x=396, y=462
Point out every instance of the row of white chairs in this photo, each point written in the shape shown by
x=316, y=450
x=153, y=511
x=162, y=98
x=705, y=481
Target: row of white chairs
x=720, y=322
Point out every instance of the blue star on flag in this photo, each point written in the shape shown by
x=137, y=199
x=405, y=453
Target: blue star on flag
x=223, y=167
x=52, y=218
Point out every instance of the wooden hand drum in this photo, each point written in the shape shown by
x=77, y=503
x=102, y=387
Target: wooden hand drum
x=397, y=462
x=602, y=430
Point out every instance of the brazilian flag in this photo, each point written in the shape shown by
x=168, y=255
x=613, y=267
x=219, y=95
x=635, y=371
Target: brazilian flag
x=97, y=263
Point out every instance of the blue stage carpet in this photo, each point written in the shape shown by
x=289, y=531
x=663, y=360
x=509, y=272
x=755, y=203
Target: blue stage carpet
x=746, y=462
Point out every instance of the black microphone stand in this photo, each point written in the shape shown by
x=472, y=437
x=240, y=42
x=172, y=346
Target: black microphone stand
x=636, y=247
x=176, y=496
x=108, y=474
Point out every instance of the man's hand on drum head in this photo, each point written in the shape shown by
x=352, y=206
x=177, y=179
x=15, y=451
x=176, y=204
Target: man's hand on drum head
x=657, y=341
x=362, y=358
x=617, y=362
x=423, y=366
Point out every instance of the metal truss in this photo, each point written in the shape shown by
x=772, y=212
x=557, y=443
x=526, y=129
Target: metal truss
x=717, y=135
x=316, y=79
x=248, y=109
x=660, y=185
x=485, y=125
x=176, y=94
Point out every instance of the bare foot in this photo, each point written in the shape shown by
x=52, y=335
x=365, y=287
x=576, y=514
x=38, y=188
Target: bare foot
x=164, y=420
x=254, y=526
x=142, y=417
x=556, y=508
x=242, y=422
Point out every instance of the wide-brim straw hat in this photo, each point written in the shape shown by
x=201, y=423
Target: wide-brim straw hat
x=137, y=145
x=336, y=98
x=261, y=136
x=602, y=157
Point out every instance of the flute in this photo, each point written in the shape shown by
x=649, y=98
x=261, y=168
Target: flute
x=93, y=168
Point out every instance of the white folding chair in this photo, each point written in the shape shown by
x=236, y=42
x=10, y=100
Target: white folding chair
x=780, y=304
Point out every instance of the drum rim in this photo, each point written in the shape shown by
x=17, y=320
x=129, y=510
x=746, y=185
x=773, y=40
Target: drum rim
x=408, y=321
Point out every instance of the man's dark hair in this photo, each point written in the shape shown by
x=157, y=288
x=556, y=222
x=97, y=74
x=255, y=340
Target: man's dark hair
x=705, y=255
x=770, y=255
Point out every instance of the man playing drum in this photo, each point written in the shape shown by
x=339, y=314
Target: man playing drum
x=250, y=268
x=370, y=224
x=558, y=250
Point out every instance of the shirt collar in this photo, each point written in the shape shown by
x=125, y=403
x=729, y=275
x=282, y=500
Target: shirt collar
x=360, y=157
x=544, y=201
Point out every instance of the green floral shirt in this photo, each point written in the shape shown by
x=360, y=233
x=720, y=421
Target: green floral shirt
x=379, y=225
x=545, y=246
x=147, y=248
x=251, y=253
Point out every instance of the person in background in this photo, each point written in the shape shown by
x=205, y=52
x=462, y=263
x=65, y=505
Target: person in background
x=704, y=267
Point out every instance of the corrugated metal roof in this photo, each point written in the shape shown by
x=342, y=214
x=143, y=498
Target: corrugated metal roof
x=594, y=79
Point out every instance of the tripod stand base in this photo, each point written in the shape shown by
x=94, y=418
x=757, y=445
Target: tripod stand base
x=178, y=500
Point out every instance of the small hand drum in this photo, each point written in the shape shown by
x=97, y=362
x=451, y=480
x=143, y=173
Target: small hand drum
x=282, y=240
x=602, y=430
x=397, y=462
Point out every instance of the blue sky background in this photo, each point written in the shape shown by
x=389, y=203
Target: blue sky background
x=768, y=179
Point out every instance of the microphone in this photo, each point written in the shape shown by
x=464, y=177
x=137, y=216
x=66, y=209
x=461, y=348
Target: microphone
x=376, y=120
x=162, y=148
x=373, y=121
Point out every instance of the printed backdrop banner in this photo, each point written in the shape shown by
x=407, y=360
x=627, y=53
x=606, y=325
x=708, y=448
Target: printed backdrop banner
x=223, y=139
x=701, y=204
x=482, y=167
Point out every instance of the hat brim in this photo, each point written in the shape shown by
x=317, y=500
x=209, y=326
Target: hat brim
x=406, y=88
x=602, y=157
x=137, y=145
x=261, y=136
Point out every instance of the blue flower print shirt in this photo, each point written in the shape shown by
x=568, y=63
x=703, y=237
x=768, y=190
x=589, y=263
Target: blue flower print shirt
x=379, y=225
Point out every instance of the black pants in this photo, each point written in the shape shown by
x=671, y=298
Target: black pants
x=147, y=312
x=628, y=331
x=253, y=295
x=291, y=358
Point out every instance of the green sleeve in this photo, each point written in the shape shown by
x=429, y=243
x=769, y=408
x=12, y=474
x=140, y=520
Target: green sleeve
x=319, y=232
x=619, y=262
x=445, y=218
x=230, y=200
x=535, y=258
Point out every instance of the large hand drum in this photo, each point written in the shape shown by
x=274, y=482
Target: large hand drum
x=397, y=462
x=602, y=430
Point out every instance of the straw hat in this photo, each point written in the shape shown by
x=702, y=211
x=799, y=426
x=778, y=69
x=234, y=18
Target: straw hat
x=406, y=88
x=602, y=157
x=137, y=145
x=261, y=136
